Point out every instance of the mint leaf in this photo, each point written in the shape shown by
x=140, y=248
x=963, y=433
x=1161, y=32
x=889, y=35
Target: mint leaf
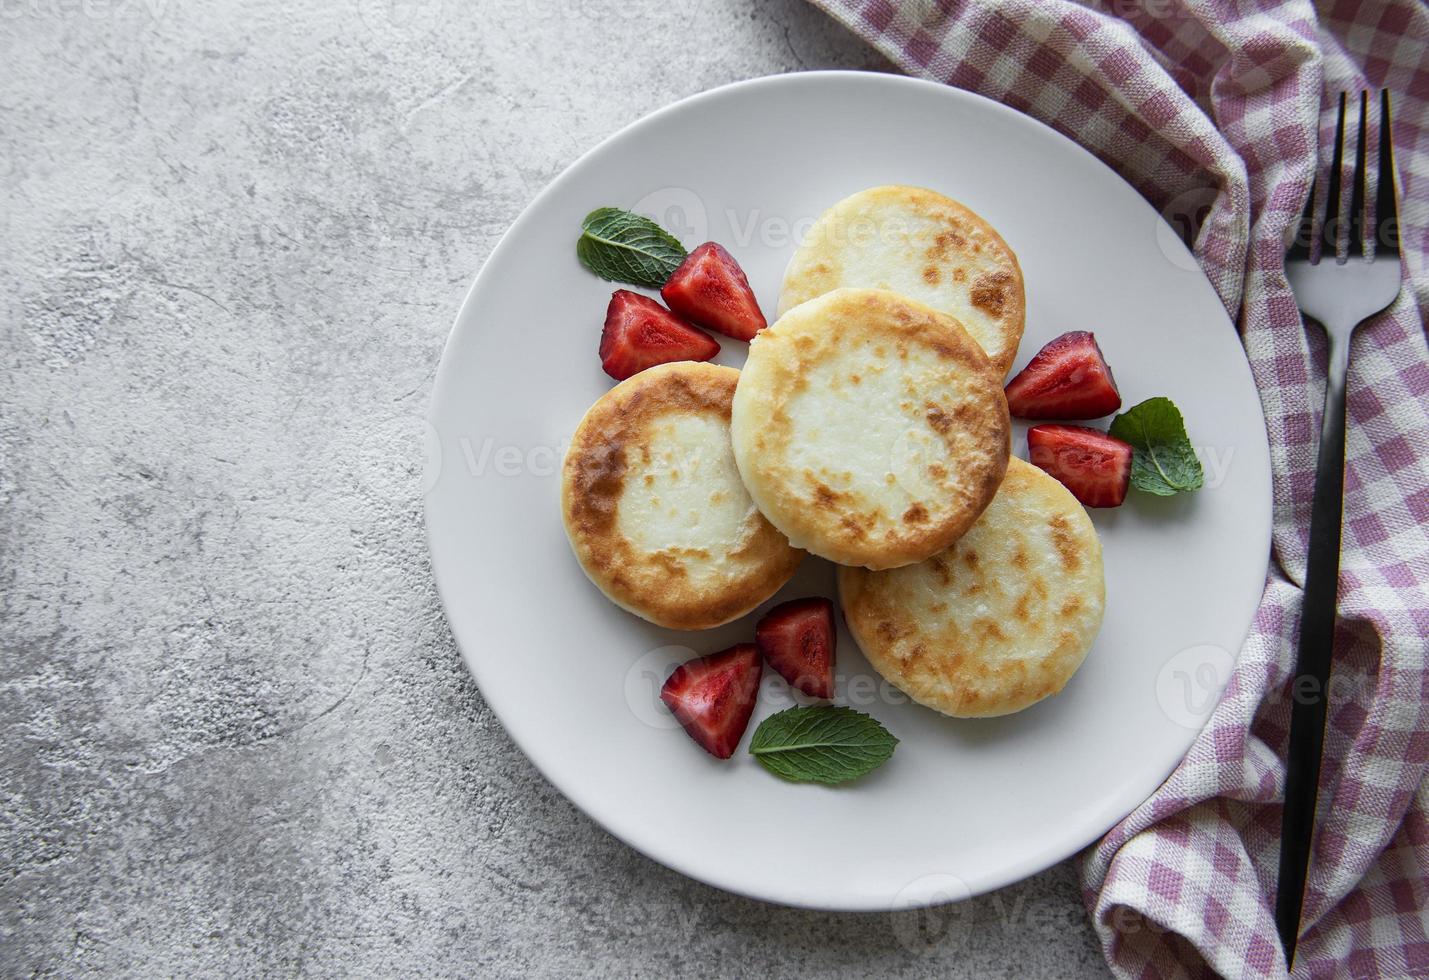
x=625, y=247
x=1163, y=461
x=821, y=744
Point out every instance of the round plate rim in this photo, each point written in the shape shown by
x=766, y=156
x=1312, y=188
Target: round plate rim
x=911, y=898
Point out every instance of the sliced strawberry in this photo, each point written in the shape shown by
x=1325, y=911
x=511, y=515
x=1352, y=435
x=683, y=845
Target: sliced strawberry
x=714, y=696
x=709, y=288
x=640, y=333
x=797, y=638
x=1096, y=467
x=1068, y=379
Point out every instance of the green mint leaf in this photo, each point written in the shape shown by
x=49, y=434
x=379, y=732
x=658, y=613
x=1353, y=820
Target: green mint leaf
x=821, y=744
x=625, y=247
x=1163, y=461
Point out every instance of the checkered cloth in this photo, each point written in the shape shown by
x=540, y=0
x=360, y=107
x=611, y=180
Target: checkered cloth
x=1214, y=108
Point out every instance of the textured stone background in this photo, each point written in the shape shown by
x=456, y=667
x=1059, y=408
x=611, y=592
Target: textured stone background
x=237, y=737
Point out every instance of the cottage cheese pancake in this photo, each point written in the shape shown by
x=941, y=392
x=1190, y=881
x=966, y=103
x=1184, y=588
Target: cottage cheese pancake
x=1000, y=620
x=870, y=429
x=654, y=507
x=924, y=246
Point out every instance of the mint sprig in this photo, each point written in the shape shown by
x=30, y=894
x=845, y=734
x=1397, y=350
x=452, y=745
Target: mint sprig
x=1163, y=461
x=626, y=247
x=821, y=744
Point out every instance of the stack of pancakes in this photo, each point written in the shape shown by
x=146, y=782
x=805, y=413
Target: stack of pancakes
x=868, y=427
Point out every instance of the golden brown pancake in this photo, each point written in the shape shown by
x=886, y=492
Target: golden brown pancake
x=870, y=429
x=1000, y=620
x=654, y=507
x=922, y=245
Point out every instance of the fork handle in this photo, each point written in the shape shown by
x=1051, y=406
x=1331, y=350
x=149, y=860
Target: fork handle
x=1310, y=688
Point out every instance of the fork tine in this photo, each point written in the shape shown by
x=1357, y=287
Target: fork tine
x=1330, y=227
x=1357, y=189
x=1386, y=216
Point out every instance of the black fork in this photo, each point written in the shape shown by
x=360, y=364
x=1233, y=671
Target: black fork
x=1341, y=289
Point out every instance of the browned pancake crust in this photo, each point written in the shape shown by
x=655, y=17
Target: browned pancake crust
x=844, y=526
x=656, y=585
x=997, y=622
x=954, y=249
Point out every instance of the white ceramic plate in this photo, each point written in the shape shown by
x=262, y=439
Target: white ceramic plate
x=963, y=806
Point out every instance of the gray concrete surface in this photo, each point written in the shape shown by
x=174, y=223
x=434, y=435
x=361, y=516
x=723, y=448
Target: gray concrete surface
x=237, y=737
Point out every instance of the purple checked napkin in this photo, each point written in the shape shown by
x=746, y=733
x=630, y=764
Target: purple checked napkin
x=1214, y=108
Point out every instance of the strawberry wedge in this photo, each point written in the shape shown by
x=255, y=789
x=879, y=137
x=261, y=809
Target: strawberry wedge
x=1068, y=379
x=1096, y=467
x=713, y=697
x=797, y=639
x=710, y=289
x=640, y=333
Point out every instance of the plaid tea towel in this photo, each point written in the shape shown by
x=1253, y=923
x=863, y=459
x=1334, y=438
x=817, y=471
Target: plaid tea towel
x=1213, y=110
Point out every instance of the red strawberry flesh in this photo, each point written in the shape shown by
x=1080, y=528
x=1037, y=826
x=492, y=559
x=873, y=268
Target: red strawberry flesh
x=1096, y=467
x=640, y=333
x=713, y=697
x=797, y=639
x=1068, y=379
x=710, y=289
